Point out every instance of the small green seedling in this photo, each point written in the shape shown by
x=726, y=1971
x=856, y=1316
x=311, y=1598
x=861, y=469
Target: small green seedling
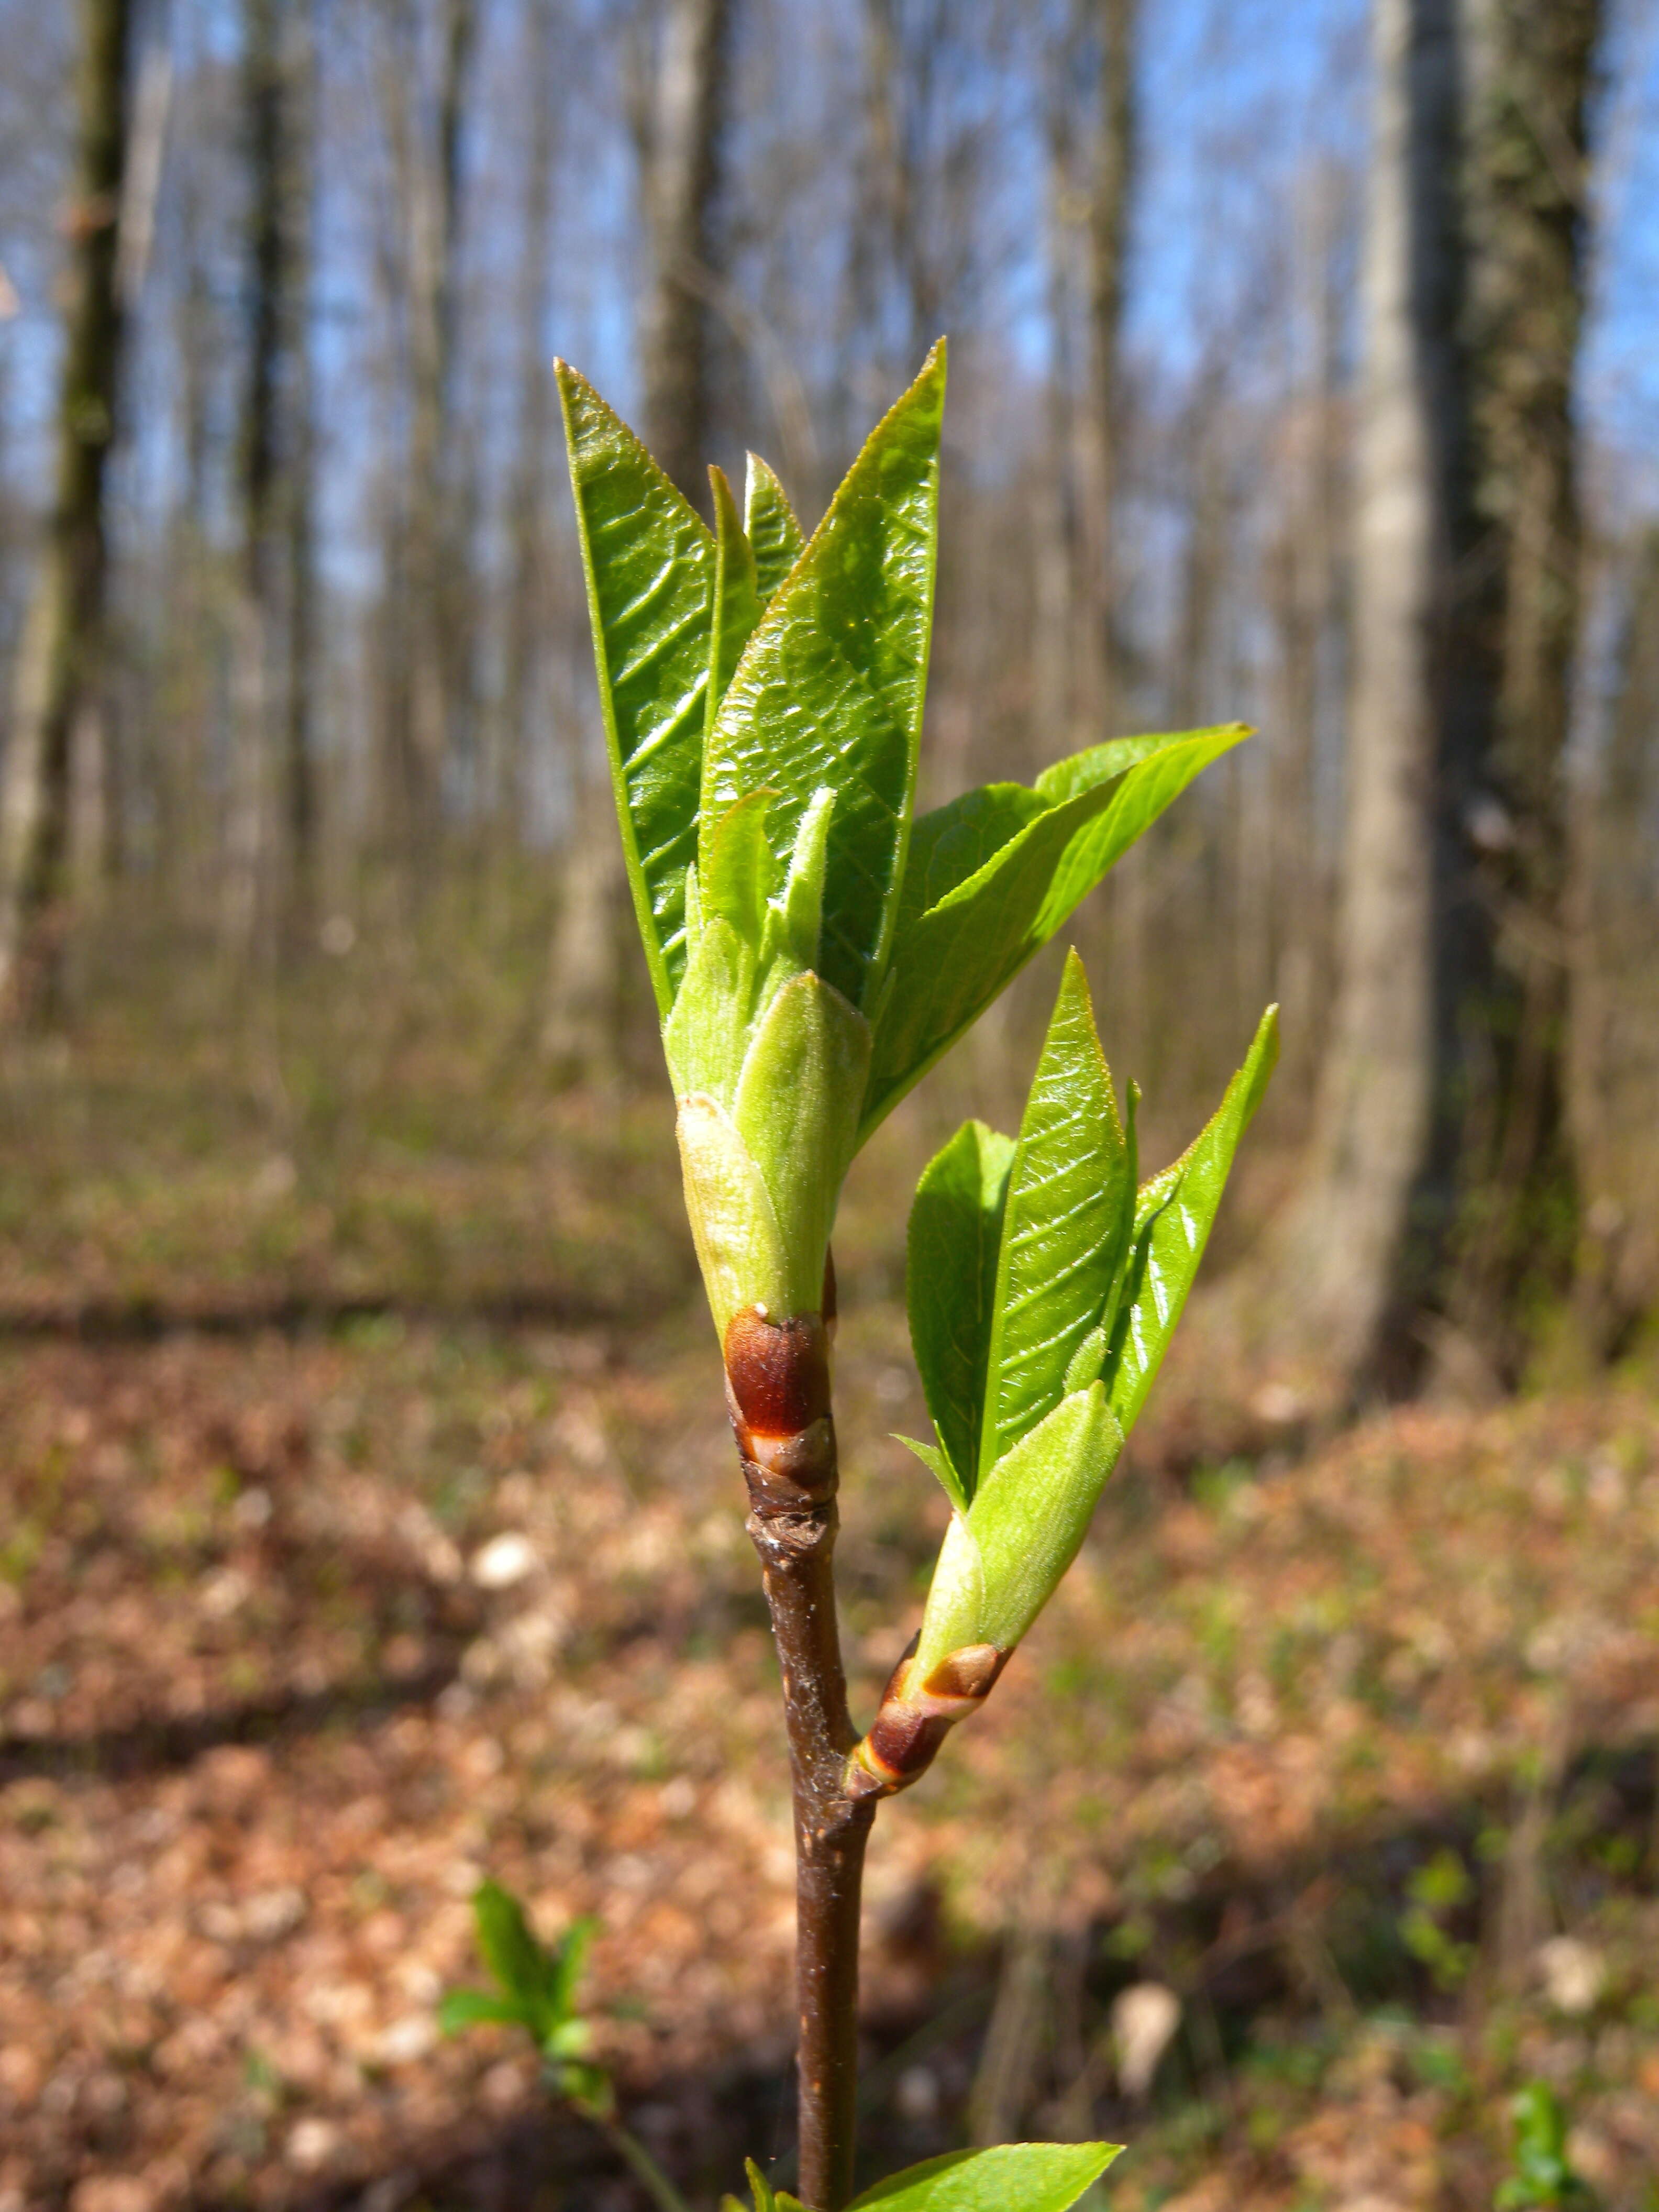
x=536, y=1989
x=815, y=947
x=1542, y=2179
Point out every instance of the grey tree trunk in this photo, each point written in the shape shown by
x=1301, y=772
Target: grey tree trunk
x=56, y=670
x=1346, y=1260
x=684, y=128
x=1529, y=65
x=1110, y=200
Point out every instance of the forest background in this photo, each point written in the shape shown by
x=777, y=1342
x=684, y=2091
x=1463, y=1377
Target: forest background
x=365, y=1529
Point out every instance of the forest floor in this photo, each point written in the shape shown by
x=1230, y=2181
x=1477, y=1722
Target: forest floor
x=368, y=1525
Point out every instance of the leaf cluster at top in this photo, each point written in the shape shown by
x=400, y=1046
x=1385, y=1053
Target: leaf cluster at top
x=745, y=667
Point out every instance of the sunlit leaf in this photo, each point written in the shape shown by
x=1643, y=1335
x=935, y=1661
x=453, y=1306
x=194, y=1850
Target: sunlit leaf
x=464, y=2009
x=1013, y=2178
x=1065, y=1224
x=1001, y=869
x=773, y=530
x=736, y=602
x=828, y=692
x=1174, y=1214
x=650, y=567
x=955, y=1235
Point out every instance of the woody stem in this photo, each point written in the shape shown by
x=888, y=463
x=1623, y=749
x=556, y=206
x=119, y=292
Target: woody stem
x=779, y=1380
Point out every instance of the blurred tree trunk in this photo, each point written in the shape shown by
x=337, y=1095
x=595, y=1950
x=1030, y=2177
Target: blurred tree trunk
x=524, y=703
x=436, y=183
x=1615, y=1009
x=272, y=797
x=259, y=460
x=1528, y=64
x=1110, y=209
x=1440, y=1197
x=1346, y=1258
x=299, y=791
x=680, y=129
x=57, y=668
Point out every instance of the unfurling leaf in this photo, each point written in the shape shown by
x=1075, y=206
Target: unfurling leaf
x=737, y=601
x=1003, y=1560
x=1025, y=859
x=1040, y=1382
x=1174, y=1214
x=650, y=567
x=773, y=530
x=1065, y=1227
x=828, y=692
x=1013, y=2178
x=955, y=1235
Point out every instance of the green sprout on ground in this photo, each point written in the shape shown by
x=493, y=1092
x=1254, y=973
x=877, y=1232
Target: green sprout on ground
x=815, y=947
x=1542, y=2178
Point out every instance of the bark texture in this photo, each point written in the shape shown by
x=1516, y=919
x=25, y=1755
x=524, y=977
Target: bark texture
x=680, y=132
x=57, y=672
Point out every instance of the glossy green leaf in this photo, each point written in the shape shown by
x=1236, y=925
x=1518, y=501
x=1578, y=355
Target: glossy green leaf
x=1012, y=2178
x=1174, y=1214
x=650, y=566
x=955, y=1237
x=736, y=603
x=773, y=530
x=1065, y=1224
x=1001, y=869
x=828, y=692
x=1002, y=1562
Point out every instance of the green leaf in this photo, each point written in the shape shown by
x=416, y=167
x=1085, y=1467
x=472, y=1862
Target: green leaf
x=511, y=1951
x=650, y=567
x=1013, y=2178
x=999, y=1566
x=1025, y=860
x=938, y=1464
x=1065, y=1224
x=796, y=1110
x=828, y=692
x=955, y=1235
x=773, y=530
x=465, y=2008
x=736, y=602
x=1174, y=1213
x=738, y=878
x=766, y=2199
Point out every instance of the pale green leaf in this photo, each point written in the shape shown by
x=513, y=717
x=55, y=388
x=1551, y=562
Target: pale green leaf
x=736, y=881
x=773, y=530
x=999, y=1566
x=650, y=567
x=1065, y=1224
x=955, y=1235
x=796, y=1110
x=1027, y=864
x=1012, y=2178
x=737, y=601
x=1174, y=1214
x=933, y=1458
x=828, y=692
x=510, y=1950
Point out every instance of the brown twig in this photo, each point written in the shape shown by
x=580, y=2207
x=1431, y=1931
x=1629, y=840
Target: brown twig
x=778, y=1387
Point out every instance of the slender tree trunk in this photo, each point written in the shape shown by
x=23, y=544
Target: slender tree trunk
x=257, y=645
x=1109, y=206
x=299, y=782
x=681, y=143
x=436, y=551
x=57, y=662
x=1345, y=1256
